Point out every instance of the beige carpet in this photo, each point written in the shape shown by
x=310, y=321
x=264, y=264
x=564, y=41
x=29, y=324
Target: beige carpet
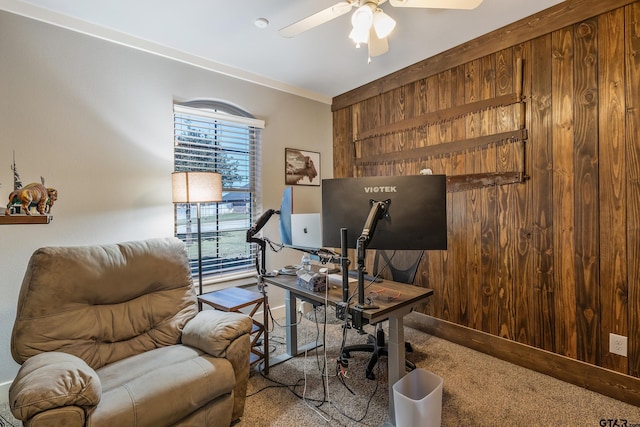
x=6, y=419
x=479, y=390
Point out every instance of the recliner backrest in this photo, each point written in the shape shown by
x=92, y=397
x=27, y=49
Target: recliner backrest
x=104, y=303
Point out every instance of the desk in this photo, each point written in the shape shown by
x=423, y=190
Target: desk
x=394, y=311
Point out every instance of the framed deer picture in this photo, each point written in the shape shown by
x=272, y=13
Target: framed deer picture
x=301, y=167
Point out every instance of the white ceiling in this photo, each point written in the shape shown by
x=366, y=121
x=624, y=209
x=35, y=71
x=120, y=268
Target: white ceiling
x=320, y=63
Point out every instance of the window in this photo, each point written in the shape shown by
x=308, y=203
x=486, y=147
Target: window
x=216, y=137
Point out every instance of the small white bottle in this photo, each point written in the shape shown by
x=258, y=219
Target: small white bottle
x=306, y=262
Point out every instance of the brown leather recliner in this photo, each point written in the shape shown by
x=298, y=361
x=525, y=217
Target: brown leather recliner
x=111, y=336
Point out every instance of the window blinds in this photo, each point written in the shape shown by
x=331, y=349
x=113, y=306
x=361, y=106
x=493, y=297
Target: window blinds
x=215, y=141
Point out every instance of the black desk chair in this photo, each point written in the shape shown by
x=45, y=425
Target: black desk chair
x=402, y=266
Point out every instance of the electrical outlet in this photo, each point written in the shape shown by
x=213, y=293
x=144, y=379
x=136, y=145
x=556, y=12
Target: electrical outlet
x=618, y=344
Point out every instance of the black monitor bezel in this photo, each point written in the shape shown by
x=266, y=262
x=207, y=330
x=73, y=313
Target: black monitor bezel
x=417, y=217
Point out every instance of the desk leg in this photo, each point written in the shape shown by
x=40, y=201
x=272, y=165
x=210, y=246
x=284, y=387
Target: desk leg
x=396, y=359
x=265, y=338
x=292, y=319
x=291, y=329
x=291, y=332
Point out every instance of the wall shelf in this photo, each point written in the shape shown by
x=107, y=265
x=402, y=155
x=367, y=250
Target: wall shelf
x=25, y=219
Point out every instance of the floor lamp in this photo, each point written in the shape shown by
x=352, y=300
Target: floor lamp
x=197, y=187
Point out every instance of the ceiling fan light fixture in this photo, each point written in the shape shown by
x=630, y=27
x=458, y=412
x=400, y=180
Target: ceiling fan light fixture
x=359, y=36
x=383, y=24
x=362, y=18
x=377, y=45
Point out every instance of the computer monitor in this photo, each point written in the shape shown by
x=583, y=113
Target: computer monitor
x=416, y=215
x=286, y=210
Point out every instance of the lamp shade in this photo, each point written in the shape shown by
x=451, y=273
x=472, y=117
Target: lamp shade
x=196, y=187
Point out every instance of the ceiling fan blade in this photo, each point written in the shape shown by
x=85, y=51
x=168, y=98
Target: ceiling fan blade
x=316, y=19
x=437, y=4
x=377, y=46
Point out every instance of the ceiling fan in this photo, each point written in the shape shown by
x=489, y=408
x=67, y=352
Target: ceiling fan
x=370, y=24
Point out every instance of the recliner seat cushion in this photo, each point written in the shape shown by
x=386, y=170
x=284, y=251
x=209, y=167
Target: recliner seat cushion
x=161, y=387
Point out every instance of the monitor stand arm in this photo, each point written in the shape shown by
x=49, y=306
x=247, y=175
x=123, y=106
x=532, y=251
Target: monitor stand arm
x=251, y=233
x=378, y=211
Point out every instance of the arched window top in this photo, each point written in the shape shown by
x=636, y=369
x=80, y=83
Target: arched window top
x=218, y=110
x=220, y=106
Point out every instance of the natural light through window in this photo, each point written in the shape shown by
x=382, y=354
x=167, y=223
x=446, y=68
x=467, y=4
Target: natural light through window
x=219, y=138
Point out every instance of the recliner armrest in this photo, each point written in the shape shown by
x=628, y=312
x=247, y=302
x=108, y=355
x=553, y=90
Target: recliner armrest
x=213, y=331
x=53, y=380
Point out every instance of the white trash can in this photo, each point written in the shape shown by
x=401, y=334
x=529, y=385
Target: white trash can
x=417, y=399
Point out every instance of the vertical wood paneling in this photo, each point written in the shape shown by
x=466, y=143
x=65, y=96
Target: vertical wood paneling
x=473, y=199
x=392, y=109
x=489, y=207
x=586, y=196
x=632, y=136
x=458, y=203
x=506, y=229
x=612, y=191
x=540, y=141
x=354, y=123
x=437, y=275
x=553, y=262
x=370, y=117
x=421, y=89
x=521, y=196
x=416, y=105
x=343, y=152
x=450, y=304
x=563, y=192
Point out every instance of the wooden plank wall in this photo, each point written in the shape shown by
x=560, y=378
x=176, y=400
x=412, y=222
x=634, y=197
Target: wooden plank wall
x=553, y=262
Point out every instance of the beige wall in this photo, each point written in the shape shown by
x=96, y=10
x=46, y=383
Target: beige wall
x=95, y=120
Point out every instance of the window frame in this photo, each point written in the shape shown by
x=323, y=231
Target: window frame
x=216, y=118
